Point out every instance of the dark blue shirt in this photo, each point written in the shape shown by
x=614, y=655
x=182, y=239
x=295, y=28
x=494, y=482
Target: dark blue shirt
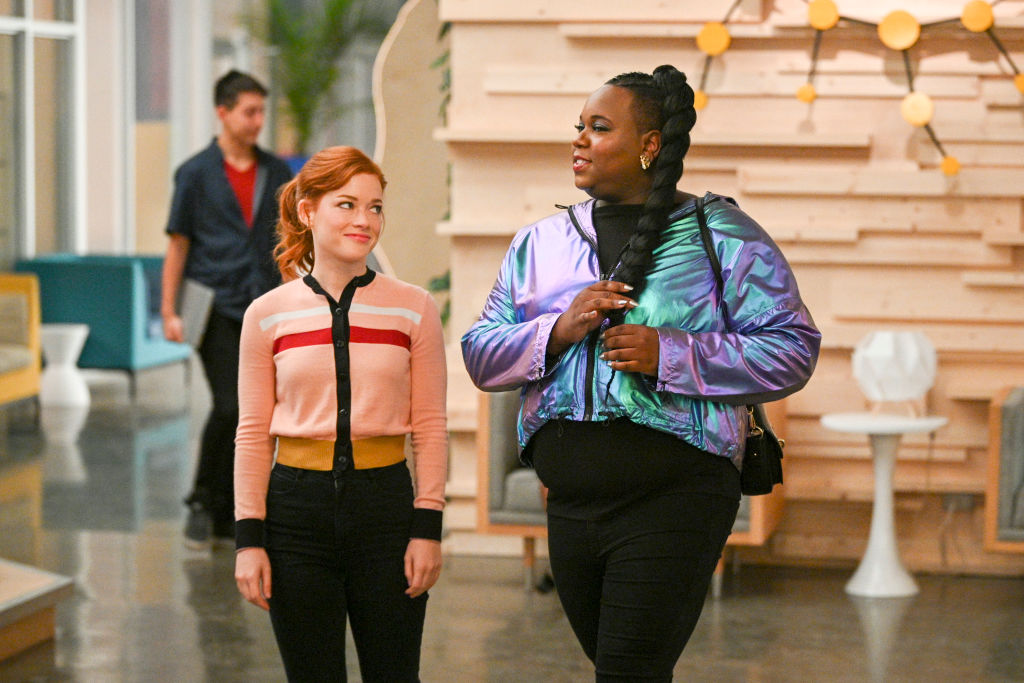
x=224, y=253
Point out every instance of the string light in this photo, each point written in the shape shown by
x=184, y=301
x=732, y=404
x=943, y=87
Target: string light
x=713, y=40
x=899, y=30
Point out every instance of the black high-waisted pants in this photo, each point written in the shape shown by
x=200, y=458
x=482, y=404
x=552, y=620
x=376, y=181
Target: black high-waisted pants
x=637, y=520
x=633, y=585
x=337, y=551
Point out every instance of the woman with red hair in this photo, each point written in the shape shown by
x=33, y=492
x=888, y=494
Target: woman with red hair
x=338, y=365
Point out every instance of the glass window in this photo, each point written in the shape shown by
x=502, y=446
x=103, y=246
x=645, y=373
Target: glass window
x=10, y=132
x=12, y=8
x=53, y=145
x=54, y=10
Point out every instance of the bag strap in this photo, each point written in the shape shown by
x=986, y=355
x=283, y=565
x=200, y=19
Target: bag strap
x=716, y=266
x=709, y=246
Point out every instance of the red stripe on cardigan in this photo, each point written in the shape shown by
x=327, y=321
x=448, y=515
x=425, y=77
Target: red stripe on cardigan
x=357, y=335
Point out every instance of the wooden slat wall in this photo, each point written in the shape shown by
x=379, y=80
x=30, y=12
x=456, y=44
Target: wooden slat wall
x=878, y=237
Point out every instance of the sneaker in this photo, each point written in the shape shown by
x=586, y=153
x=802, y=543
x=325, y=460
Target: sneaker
x=197, y=528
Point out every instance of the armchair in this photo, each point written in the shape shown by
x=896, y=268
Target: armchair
x=19, y=337
x=1004, y=490
x=118, y=297
x=508, y=494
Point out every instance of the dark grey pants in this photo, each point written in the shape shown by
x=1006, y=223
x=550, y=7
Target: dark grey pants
x=214, y=482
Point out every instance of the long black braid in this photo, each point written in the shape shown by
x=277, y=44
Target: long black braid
x=661, y=101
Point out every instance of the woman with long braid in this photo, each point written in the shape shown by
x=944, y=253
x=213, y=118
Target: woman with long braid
x=635, y=370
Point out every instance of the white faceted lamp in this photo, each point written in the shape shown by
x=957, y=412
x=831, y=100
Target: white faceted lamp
x=895, y=368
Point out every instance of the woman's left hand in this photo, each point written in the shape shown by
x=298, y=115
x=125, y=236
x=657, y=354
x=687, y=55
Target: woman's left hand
x=632, y=348
x=422, y=565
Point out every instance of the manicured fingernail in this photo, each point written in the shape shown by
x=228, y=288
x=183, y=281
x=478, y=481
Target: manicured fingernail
x=627, y=287
x=633, y=304
x=604, y=356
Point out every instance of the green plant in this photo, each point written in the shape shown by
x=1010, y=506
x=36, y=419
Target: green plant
x=309, y=38
x=444, y=64
x=440, y=286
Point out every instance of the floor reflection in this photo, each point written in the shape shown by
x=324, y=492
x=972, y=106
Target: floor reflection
x=116, y=475
x=881, y=619
x=62, y=459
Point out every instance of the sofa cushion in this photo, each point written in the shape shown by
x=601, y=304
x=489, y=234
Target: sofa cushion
x=13, y=319
x=14, y=357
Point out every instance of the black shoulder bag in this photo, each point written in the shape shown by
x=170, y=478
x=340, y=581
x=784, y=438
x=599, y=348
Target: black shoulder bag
x=762, y=461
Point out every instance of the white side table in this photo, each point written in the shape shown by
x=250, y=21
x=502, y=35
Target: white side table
x=881, y=574
x=61, y=383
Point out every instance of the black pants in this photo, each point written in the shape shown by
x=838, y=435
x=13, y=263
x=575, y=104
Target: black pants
x=633, y=584
x=214, y=481
x=337, y=550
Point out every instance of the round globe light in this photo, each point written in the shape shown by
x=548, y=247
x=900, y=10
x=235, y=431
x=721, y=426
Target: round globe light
x=822, y=14
x=714, y=38
x=899, y=30
x=700, y=99
x=894, y=366
x=806, y=93
x=917, y=109
x=977, y=16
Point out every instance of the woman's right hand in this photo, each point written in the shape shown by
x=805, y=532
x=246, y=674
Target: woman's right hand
x=586, y=313
x=252, y=574
x=174, y=329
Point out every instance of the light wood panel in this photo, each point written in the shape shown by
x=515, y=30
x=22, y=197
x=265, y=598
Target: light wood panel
x=595, y=10
x=878, y=237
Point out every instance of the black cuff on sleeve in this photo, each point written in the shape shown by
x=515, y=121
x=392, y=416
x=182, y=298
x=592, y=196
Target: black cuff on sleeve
x=426, y=523
x=249, y=533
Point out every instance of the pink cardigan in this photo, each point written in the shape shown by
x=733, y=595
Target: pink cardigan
x=287, y=384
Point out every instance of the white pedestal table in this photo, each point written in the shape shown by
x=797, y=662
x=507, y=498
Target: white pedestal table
x=881, y=574
x=62, y=383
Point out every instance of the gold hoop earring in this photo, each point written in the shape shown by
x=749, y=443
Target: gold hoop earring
x=645, y=162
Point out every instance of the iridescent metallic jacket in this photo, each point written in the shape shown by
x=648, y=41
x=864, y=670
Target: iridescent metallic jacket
x=761, y=345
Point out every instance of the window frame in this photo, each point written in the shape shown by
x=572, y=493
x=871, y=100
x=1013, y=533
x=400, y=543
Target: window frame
x=26, y=29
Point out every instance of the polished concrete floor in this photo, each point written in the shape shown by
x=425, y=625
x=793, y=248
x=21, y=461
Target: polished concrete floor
x=106, y=509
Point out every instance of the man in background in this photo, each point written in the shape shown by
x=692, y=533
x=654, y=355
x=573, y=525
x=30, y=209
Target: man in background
x=222, y=235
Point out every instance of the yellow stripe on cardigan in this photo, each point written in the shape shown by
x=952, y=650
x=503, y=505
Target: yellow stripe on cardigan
x=316, y=454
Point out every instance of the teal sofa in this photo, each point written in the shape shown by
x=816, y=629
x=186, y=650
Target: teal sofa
x=118, y=297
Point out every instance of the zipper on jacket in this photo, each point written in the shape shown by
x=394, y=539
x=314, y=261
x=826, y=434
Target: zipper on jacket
x=592, y=338
x=588, y=396
x=588, y=399
x=588, y=376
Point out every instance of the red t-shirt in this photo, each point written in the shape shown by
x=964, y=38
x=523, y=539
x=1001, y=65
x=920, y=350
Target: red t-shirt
x=244, y=184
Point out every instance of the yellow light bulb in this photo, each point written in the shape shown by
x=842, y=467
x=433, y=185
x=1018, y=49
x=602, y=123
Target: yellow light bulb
x=950, y=165
x=899, y=30
x=714, y=38
x=806, y=93
x=917, y=109
x=1018, y=81
x=822, y=14
x=977, y=16
x=700, y=99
